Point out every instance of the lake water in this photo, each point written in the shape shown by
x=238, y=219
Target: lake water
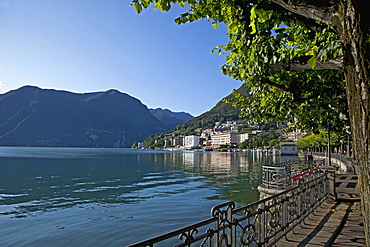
x=114, y=197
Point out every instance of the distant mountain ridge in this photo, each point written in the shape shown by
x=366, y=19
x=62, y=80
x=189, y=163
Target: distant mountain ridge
x=31, y=116
x=171, y=118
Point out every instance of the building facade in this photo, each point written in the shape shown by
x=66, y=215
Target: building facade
x=246, y=136
x=191, y=142
x=219, y=139
x=288, y=148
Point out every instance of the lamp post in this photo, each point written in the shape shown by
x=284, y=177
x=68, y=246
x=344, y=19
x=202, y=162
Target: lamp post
x=343, y=116
x=329, y=148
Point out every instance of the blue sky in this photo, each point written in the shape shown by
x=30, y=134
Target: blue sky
x=95, y=45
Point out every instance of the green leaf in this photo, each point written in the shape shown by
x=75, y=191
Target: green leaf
x=253, y=17
x=137, y=7
x=263, y=15
x=312, y=62
x=145, y=3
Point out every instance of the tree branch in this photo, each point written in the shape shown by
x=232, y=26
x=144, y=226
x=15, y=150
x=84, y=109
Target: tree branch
x=298, y=19
x=293, y=89
x=271, y=83
x=322, y=11
x=301, y=64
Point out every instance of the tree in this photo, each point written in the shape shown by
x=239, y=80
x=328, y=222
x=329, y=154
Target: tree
x=304, y=60
x=320, y=140
x=134, y=145
x=274, y=143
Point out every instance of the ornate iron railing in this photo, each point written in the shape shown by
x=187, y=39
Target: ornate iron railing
x=284, y=175
x=261, y=223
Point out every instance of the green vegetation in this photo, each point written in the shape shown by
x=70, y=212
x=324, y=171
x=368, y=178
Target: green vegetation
x=318, y=142
x=263, y=140
x=155, y=141
x=259, y=141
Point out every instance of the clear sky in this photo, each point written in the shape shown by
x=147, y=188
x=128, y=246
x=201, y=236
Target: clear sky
x=96, y=45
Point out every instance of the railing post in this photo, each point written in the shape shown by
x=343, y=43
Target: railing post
x=330, y=176
x=263, y=224
x=286, y=176
x=299, y=202
x=216, y=236
x=230, y=228
x=223, y=220
x=285, y=212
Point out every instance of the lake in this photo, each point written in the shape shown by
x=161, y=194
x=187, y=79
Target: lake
x=115, y=197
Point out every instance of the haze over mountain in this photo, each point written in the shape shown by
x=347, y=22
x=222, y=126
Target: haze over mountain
x=31, y=116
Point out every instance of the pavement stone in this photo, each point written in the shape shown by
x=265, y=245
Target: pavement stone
x=332, y=224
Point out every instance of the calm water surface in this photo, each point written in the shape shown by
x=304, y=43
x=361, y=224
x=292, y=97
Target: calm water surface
x=115, y=197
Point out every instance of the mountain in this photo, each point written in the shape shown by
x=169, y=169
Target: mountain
x=221, y=112
x=31, y=116
x=171, y=118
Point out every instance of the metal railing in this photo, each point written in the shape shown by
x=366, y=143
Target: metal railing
x=344, y=159
x=261, y=223
x=283, y=176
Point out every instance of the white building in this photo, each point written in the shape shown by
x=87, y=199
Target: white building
x=191, y=142
x=246, y=136
x=220, y=139
x=295, y=135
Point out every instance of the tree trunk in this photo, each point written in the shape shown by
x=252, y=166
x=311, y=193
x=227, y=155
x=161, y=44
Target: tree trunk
x=352, y=28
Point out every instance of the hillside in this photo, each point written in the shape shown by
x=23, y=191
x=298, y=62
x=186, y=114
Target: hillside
x=31, y=116
x=221, y=112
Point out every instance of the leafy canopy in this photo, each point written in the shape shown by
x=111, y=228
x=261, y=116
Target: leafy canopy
x=291, y=64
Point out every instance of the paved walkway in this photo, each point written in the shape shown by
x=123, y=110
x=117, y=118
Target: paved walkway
x=346, y=187
x=332, y=224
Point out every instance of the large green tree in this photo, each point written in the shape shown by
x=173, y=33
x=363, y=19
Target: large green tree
x=304, y=60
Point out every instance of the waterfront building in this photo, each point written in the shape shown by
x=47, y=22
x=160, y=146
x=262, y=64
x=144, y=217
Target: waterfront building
x=288, y=148
x=178, y=141
x=219, y=139
x=191, y=141
x=246, y=136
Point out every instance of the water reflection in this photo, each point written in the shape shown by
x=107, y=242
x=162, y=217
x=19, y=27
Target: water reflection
x=114, y=197
x=30, y=185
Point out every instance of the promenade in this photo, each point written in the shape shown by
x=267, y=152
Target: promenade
x=333, y=224
x=336, y=222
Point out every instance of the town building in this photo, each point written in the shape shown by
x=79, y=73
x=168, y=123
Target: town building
x=295, y=135
x=288, y=148
x=191, y=142
x=178, y=141
x=246, y=136
x=219, y=139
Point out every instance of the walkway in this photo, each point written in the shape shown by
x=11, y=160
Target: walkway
x=333, y=224
x=346, y=187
